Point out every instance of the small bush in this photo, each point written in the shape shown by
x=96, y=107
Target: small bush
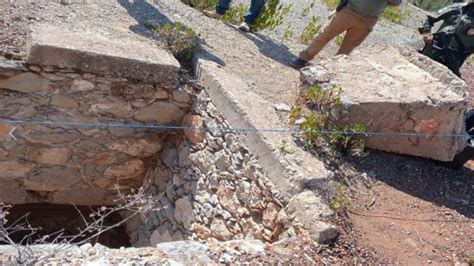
x=178, y=40
x=272, y=16
x=295, y=113
x=395, y=14
x=320, y=125
x=470, y=261
x=235, y=14
x=310, y=30
x=285, y=148
x=204, y=4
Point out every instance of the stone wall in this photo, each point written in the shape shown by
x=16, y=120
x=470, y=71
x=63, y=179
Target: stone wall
x=211, y=188
x=80, y=164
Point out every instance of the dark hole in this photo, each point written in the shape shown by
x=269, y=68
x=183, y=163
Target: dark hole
x=51, y=219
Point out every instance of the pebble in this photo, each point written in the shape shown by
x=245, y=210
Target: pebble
x=282, y=107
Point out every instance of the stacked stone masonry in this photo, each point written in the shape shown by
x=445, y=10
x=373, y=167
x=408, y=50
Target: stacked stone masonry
x=80, y=164
x=208, y=185
x=211, y=188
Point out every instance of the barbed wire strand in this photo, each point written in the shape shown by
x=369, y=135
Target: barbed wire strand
x=231, y=130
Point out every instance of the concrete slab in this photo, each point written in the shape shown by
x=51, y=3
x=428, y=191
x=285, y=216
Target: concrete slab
x=90, y=52
x=395, y=92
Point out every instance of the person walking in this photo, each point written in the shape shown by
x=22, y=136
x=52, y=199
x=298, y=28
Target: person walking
x=354, y=17
x=250, y=16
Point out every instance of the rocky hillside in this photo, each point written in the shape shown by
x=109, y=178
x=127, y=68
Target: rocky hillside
x=388, y=208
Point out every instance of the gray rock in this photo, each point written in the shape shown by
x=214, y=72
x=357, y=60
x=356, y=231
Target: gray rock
x=161, y=113
x=323, y=232
x=222, y=160
x=310, y=210
x=186, y=252
x=26, y=82
x=282, y=107
x=315, y=74
x=208, y=210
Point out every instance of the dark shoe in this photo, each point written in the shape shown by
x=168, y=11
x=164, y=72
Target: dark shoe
x=299, y=63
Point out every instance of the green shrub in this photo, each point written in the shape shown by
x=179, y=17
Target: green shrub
x=310, y=30
x=285, y=148
x=470, y=261
x=235, y=14
x=272, y=16
x=204, y=4
x=178, y=40
x=322, y=103
x=395, y=14
x=295, y=113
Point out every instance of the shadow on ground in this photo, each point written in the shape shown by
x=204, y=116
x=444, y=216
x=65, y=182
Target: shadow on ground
x=148, y=17
x=144, y=13
x=423, y=179
x=272, y=50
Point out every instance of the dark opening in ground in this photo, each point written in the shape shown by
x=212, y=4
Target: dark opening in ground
x=66, y=219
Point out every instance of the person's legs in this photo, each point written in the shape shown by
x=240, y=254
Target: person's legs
x=337, y=24
x=222, y=6
x=356, y=35
x=254, y=10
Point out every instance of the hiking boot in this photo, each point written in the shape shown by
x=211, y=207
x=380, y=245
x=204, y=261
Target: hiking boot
x=244, y=27
x=212, y=14
x=299, y=63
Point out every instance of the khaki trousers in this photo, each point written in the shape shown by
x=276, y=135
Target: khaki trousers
x=356, y=26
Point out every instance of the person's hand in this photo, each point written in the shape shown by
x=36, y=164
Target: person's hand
x=470, y=32
x=428, y=38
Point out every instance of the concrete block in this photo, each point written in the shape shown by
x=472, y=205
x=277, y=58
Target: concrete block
x=98, y=54
x=394, y=91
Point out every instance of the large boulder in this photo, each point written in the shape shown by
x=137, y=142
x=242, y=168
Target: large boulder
x=395, y=91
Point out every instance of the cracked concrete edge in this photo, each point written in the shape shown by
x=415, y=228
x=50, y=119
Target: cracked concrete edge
x=228, y=94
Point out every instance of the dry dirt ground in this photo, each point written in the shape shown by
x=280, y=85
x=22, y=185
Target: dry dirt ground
x=404, y=210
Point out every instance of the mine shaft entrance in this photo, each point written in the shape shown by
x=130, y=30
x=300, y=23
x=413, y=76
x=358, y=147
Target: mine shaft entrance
x=56, y=223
